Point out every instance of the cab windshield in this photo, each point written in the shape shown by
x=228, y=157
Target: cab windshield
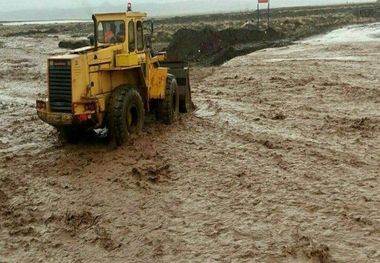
x=111, y=32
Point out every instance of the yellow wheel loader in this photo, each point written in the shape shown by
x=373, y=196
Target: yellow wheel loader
x=114, y=82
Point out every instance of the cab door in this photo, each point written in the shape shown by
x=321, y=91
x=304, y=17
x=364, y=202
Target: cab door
x=140, y=48
x=130, y=58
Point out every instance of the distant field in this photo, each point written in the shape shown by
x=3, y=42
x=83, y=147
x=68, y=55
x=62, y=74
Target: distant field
x=287, y=25
x=42, y=22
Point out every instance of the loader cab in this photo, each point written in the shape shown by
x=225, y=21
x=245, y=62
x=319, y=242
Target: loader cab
x=120, y=29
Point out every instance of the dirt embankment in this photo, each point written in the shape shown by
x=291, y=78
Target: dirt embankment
x=210, y=46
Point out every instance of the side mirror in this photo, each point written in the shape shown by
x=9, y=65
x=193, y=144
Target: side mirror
x=91, y=38
x=148, y=41
x=149, y=26
x=148, y=29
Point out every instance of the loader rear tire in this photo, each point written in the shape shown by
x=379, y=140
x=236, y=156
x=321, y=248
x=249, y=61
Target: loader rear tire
x=126, y=114
x=168, y=108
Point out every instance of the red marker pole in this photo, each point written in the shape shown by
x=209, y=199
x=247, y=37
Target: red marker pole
x=258, y=16
x=268, y=13
x=258, y=11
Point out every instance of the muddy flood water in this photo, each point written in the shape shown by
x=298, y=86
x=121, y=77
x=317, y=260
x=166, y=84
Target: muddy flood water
x=280, y=162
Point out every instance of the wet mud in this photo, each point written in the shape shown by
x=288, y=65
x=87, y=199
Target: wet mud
x=278, y=163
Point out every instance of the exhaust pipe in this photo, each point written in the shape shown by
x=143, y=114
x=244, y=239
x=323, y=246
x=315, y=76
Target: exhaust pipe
x=95, y=31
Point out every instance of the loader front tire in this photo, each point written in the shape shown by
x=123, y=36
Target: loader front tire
x=68, y=134
x=126, y=114
x=168, y=108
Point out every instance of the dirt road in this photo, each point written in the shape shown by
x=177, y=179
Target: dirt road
x=279, y=163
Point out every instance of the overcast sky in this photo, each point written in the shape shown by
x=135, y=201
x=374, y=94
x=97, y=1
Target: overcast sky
x=9, y=5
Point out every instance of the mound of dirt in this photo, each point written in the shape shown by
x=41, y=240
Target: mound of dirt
x=74, y=43
x=211, y=47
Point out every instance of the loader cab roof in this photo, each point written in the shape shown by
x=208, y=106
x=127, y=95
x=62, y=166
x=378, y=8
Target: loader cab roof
x=119, y=15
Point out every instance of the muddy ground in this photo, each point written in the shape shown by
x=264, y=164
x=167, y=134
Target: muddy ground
x=279, y=163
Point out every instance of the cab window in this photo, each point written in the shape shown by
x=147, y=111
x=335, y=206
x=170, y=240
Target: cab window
x=131, y=36
x=111, y=32
x=140, y=36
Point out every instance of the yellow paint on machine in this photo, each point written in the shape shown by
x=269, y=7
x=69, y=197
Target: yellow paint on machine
x=126, y=60
x=102, y=103
x=158, y=83
x=80, y=77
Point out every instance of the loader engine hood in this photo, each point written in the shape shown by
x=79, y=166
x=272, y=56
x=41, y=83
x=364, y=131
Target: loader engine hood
x=67, y=80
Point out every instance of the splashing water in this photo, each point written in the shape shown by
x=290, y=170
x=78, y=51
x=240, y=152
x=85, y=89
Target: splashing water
x=355, y=33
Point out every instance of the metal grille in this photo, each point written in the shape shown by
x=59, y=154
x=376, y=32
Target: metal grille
x=60, y=87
